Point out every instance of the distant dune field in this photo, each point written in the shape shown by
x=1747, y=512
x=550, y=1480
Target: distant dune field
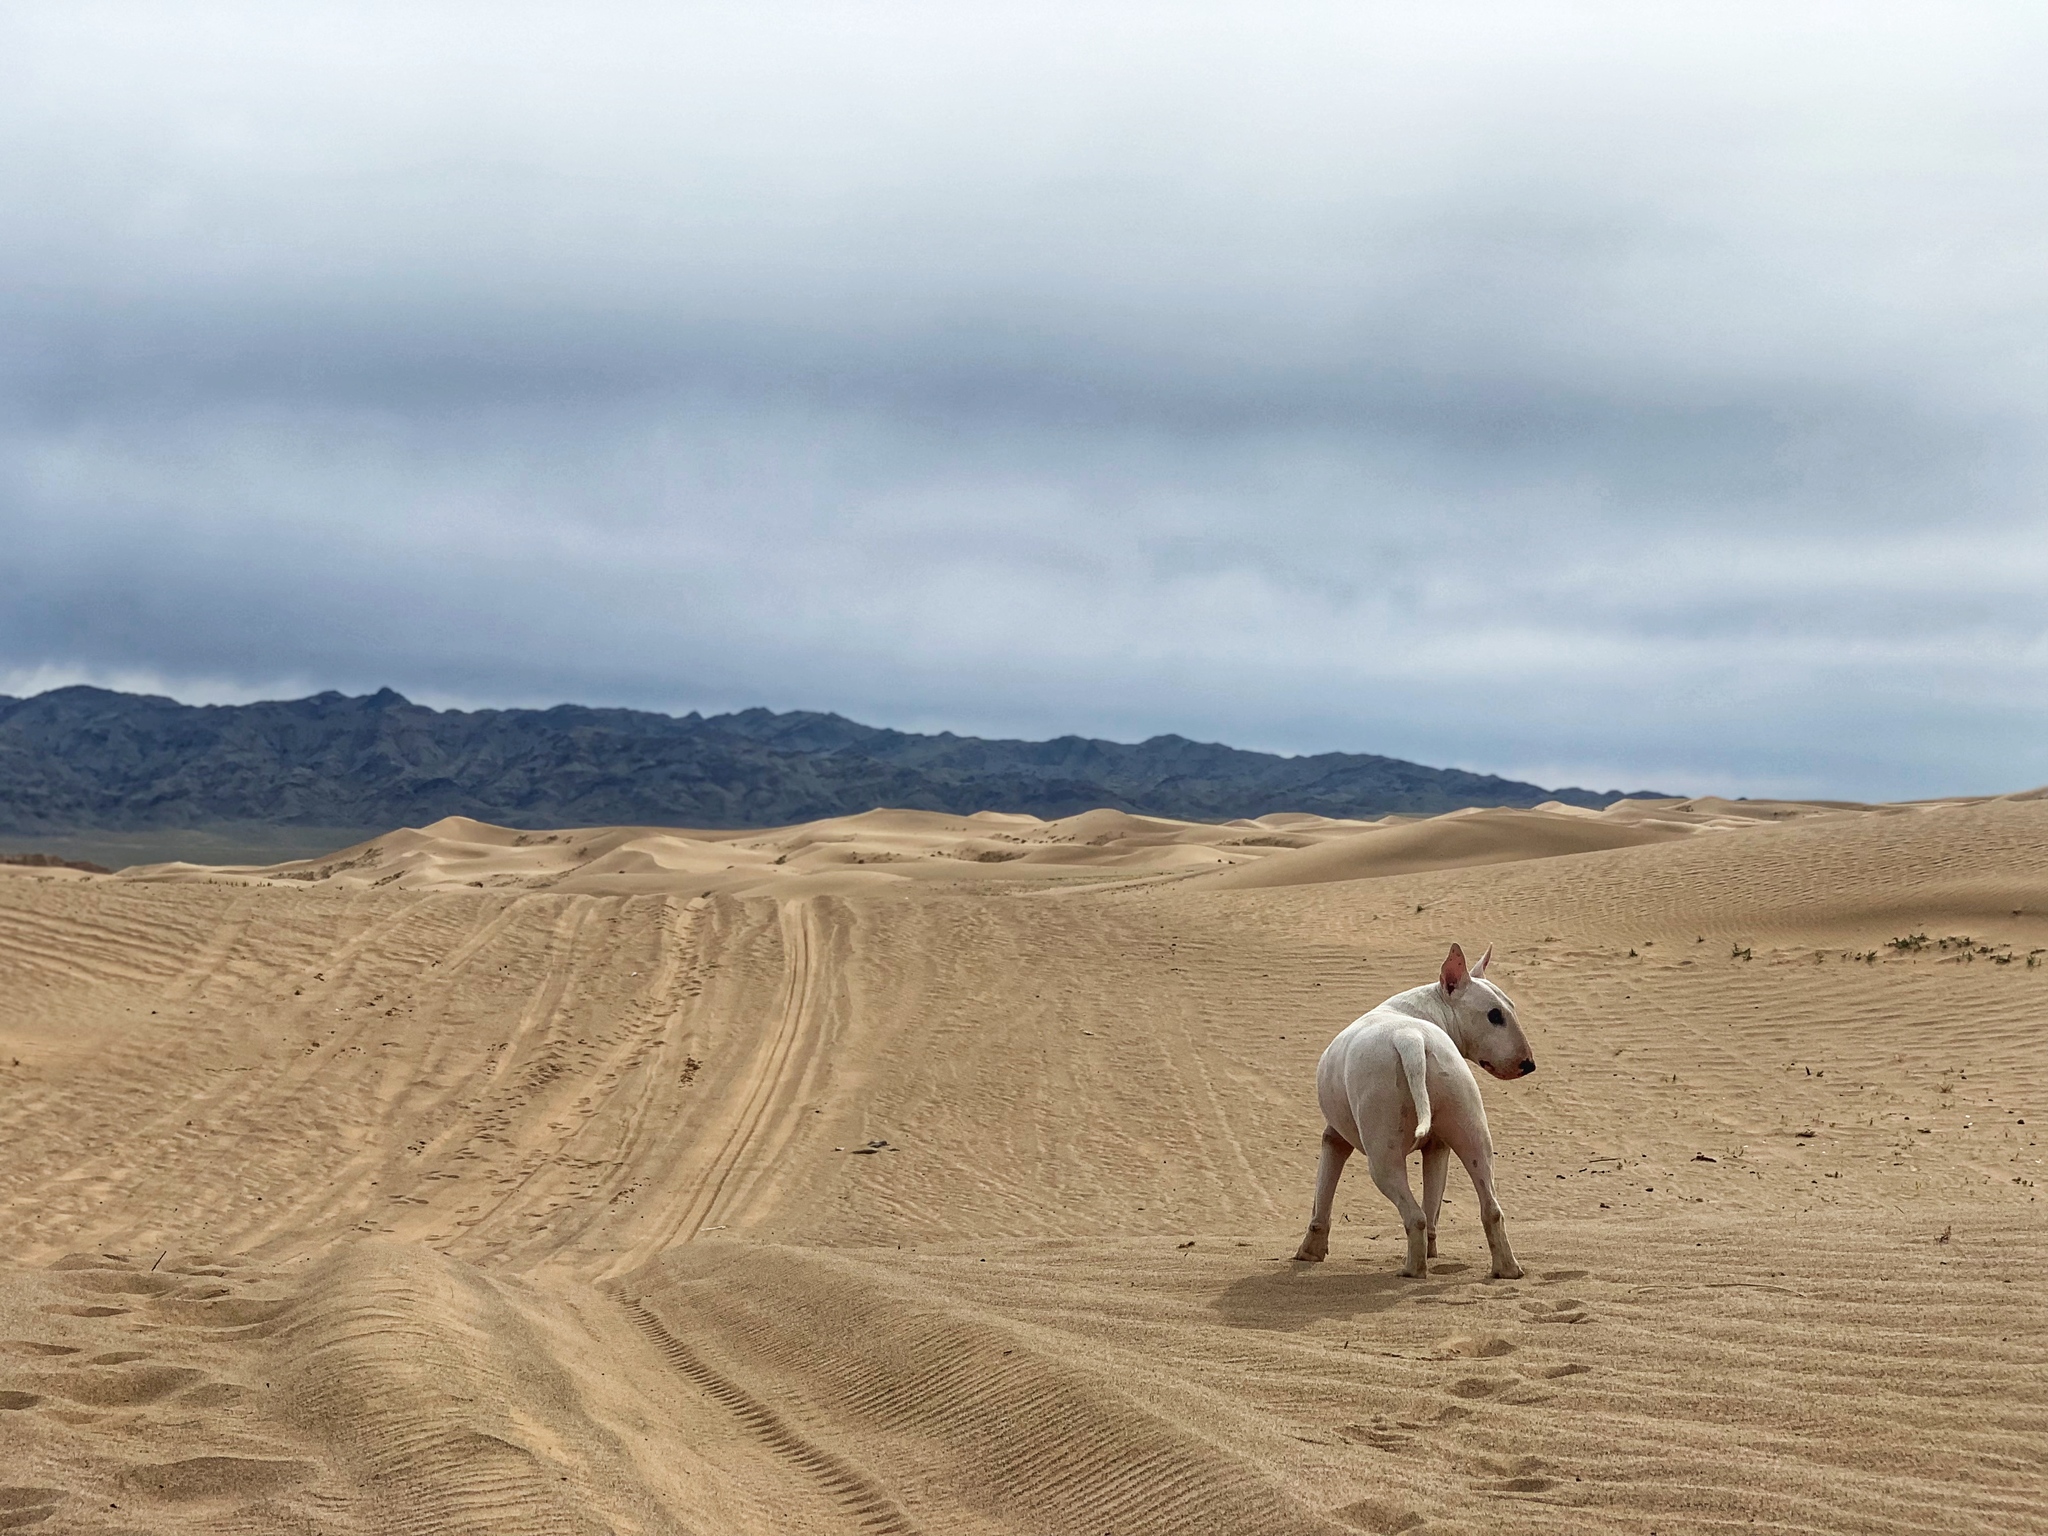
x=921, y=1173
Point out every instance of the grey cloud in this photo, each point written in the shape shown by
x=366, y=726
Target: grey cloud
x=1553, y=388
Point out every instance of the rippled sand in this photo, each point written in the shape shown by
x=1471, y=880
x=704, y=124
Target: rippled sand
x=923, y=1173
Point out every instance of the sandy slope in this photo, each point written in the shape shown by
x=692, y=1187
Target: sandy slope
x=845, y=1178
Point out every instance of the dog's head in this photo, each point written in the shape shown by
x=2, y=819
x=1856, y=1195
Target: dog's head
x=1483, y=1018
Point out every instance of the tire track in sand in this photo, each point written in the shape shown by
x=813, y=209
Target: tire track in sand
x=765, y=1082
x=987, y=1422
x=865, y=1500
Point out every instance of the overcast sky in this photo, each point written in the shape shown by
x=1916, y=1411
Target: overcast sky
x=1620, y=395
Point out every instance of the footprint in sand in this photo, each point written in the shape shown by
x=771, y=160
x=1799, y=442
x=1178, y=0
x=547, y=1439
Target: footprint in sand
x=91, y=1261
x=1523, y=1474
x=223, y=1311
x=1379, y=1434
x=61, y=1310
x=1490, y=1346
x=1381, y=1517
x=1568, y=1368
x=36, y=1347
x=14, y=1400
x=214, y=1477
x=215, y=1394
x=1568, y=1309
x=24, y=1506
x=122, y=1282
x=113, y=1387
x=1469, y=1387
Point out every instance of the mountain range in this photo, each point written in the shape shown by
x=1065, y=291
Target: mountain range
x=83, y=758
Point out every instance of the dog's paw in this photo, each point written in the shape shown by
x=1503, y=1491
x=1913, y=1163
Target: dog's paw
x=1315, y=1247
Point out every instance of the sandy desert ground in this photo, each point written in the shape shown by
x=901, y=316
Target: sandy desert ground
x=910, y=1173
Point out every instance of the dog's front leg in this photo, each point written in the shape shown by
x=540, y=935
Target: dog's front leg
x=1480, y=1166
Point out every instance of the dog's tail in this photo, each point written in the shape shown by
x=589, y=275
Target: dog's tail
x=1415, y=1062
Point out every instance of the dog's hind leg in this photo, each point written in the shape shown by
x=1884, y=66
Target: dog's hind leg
x=1436, y=1167
x=1389, y=1165
x=1316, y=1245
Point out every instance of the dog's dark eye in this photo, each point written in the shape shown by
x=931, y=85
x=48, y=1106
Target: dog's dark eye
x=1493, y=1016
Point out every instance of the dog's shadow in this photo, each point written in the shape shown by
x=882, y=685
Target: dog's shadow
x=1294, y=1295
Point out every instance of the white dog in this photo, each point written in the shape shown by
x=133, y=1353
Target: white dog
x=1396, y=1080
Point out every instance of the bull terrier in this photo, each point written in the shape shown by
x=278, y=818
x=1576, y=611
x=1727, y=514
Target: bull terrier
x=1395, y=1080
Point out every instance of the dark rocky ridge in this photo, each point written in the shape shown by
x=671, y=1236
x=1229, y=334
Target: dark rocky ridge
x=87, y=758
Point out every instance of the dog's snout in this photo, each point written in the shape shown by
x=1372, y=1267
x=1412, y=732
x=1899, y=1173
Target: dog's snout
x=1528, y=1067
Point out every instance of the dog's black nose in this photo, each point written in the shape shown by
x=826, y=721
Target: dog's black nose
x=1528, y=1067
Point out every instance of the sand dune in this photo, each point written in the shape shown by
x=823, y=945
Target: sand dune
x=1457, y=841
x=874, y=852
x=913, y=1173
x=852, y=854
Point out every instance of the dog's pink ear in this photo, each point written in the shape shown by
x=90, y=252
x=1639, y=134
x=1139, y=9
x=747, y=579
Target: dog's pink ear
x=1454, y=969
x=1480, y=968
